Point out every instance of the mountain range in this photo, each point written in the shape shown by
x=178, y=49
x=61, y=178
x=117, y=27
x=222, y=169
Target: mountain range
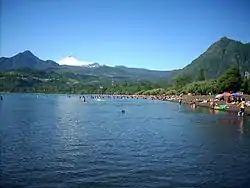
x=26, y=59
x=214, y=61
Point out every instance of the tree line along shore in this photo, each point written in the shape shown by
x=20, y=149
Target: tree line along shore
x=32, y=81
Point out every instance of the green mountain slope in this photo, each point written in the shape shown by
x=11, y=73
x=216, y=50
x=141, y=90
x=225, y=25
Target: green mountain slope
x=28, y=80
x=119, y=73
x=218, y=58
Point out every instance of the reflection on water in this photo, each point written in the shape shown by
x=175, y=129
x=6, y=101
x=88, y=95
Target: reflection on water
x=55, y=141
x=241, y=127
x=226, y=118
x=211, y=111
x=241, y=122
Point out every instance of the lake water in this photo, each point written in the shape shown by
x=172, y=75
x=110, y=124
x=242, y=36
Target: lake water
x=55, y=141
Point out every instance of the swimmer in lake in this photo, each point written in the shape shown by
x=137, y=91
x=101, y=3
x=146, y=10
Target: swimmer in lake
x=180, y=101
x=193, y=104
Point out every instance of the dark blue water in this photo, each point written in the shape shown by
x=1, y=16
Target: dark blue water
x=55, y=141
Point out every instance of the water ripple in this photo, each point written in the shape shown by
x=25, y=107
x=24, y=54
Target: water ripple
x=55, y=141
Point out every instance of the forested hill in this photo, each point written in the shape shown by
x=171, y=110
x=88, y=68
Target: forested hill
x=218, y=58
x=37, y=81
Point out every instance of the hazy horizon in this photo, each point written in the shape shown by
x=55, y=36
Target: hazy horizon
x=156, y=35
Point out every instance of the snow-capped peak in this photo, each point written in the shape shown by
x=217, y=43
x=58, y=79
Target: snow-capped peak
x=71, y=61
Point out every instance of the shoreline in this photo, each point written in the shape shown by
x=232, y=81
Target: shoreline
x=233, y=108
x=186, y=99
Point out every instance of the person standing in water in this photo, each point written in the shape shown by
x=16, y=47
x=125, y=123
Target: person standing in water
x=193, y=104
x=180, y=101
x=1, y=98
x=212, y=103
x=242, y=105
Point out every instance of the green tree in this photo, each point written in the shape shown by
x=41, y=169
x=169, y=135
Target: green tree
x=201, y=75
x=230, y=80
x=202, y=87
x=246, y=86
x=182, y=80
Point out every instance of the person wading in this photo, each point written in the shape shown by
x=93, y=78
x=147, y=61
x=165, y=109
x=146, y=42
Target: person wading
x=180, y=101
x=242, y=105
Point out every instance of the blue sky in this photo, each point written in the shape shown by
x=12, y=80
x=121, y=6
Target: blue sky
x=154, y=34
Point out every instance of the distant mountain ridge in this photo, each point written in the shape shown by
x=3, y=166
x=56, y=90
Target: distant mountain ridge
x=25, y=59
x=28, y=60
x=214, y=61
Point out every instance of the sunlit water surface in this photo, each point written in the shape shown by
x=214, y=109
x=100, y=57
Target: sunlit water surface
x=56, y=141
